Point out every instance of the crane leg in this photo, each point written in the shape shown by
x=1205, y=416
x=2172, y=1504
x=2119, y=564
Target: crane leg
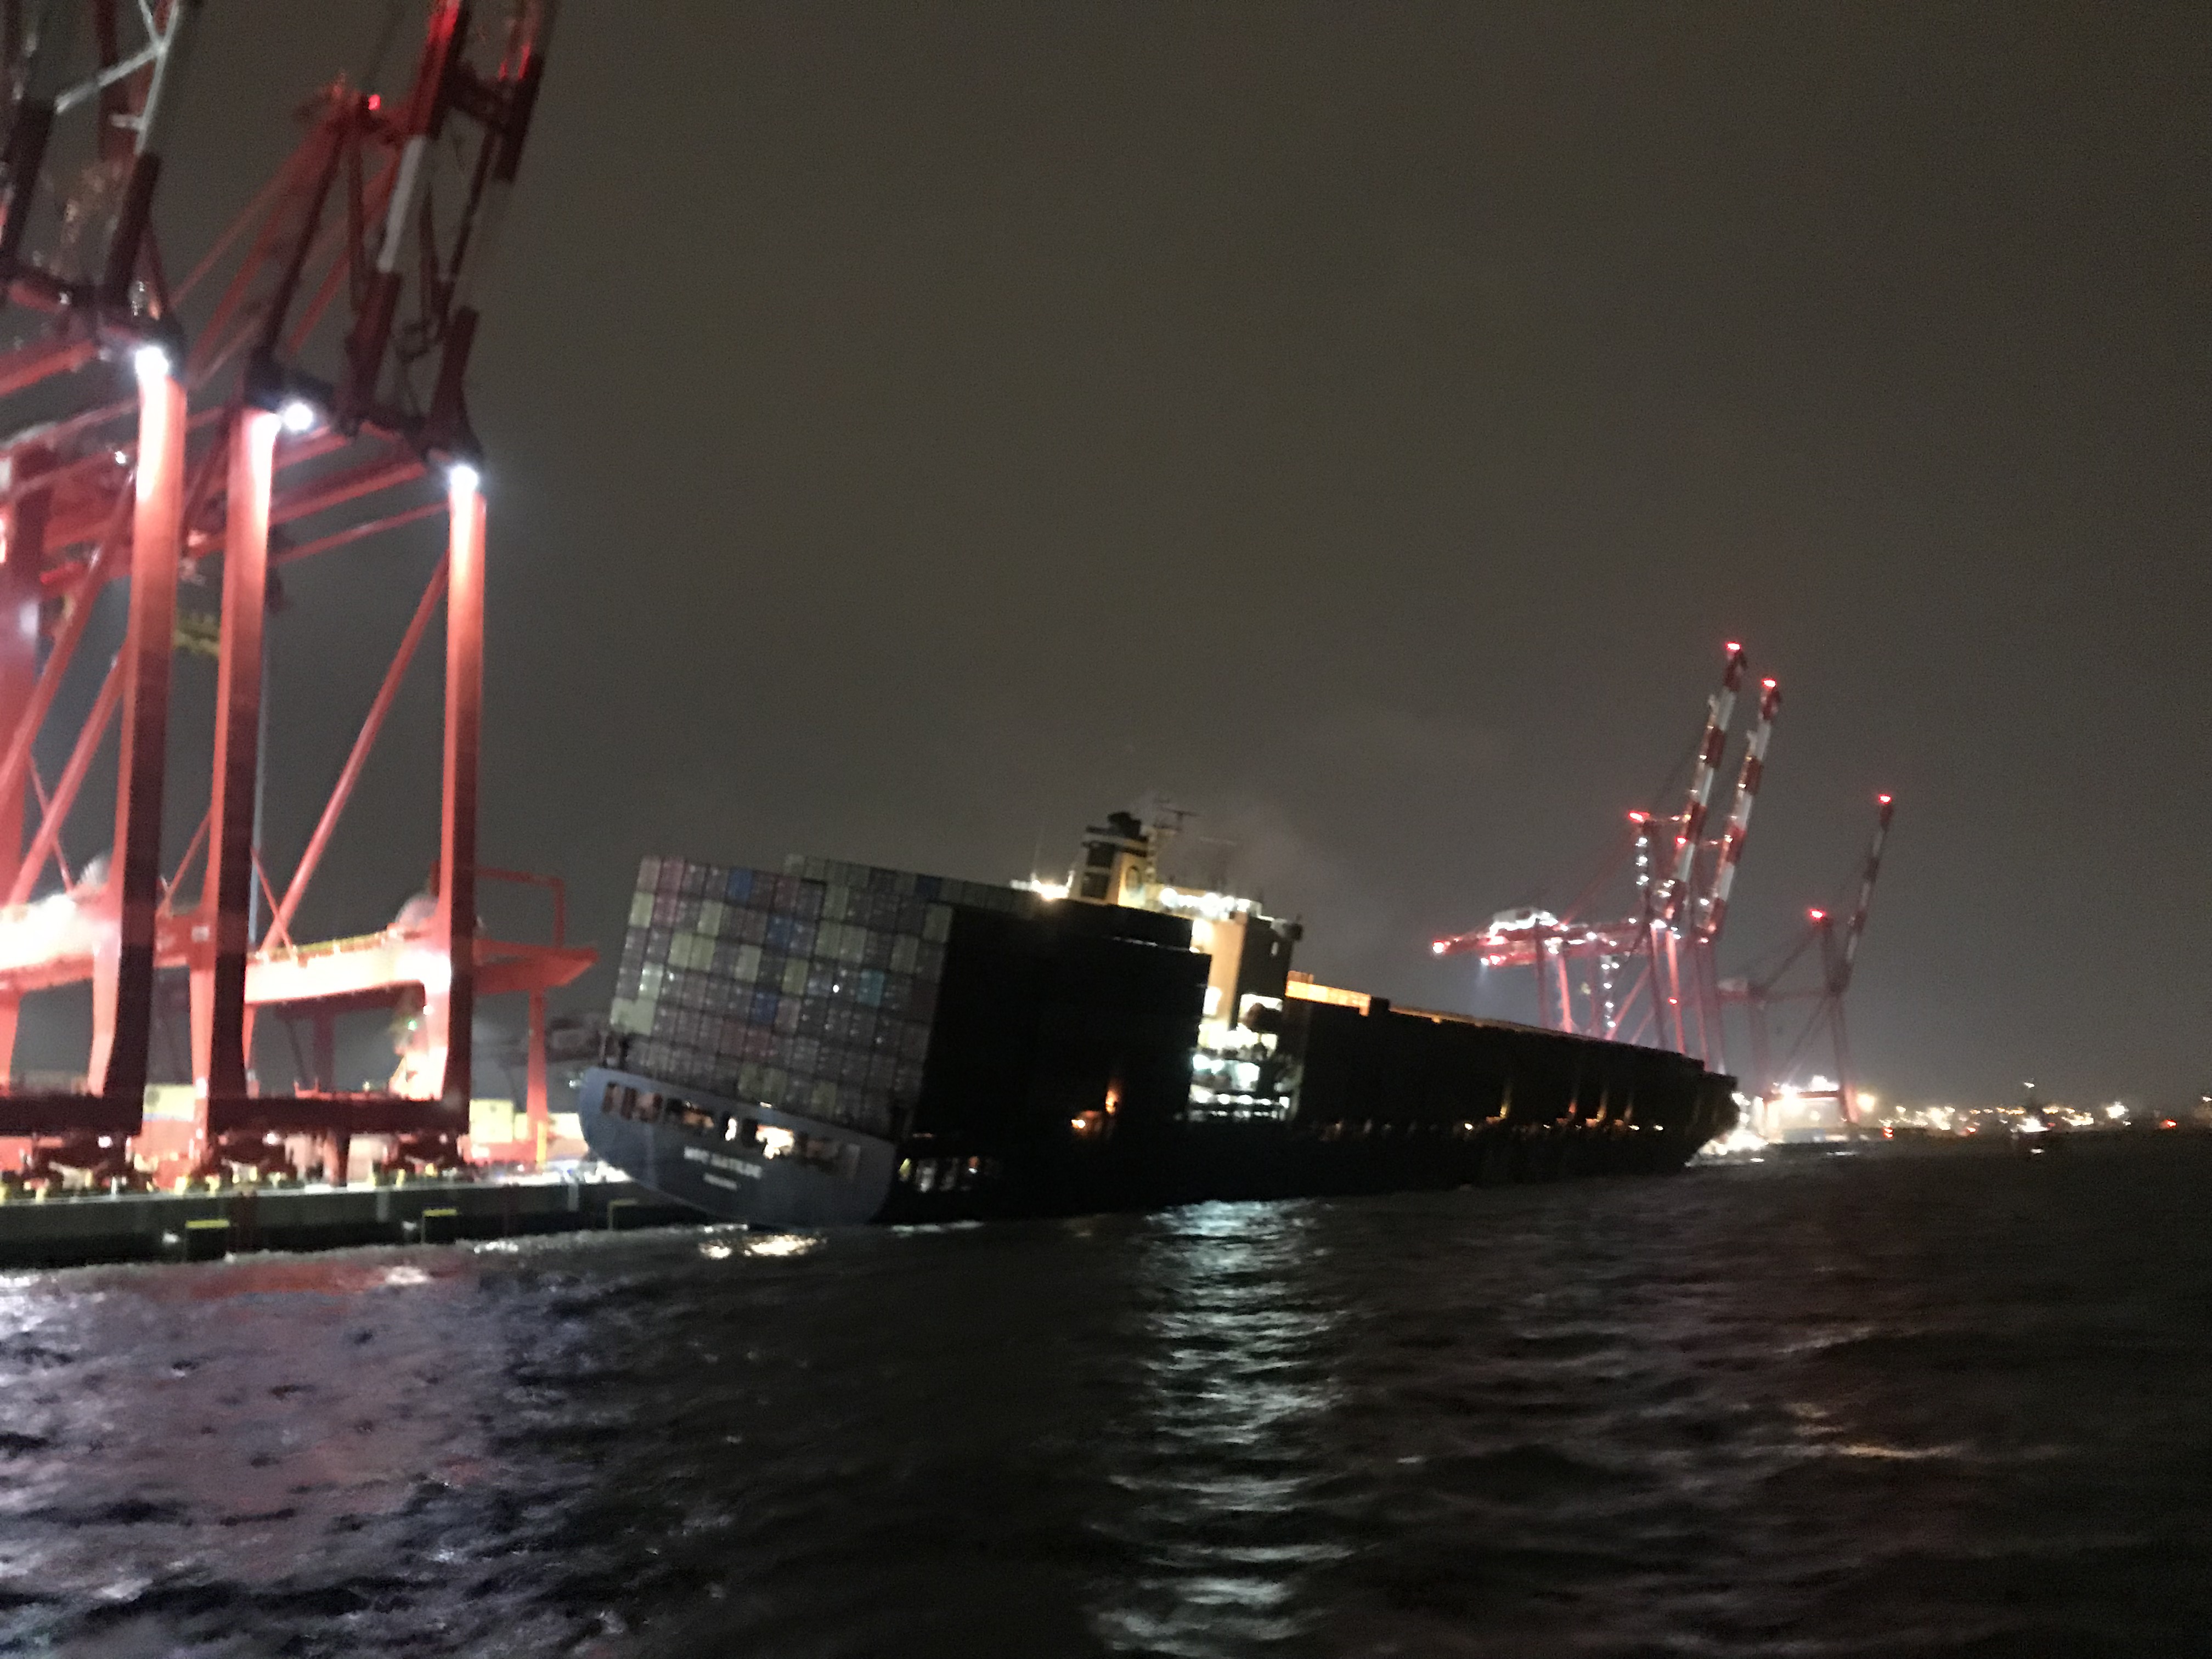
x=450, y=1009
x=22, y=556
x=123, y=962
x=218, y=972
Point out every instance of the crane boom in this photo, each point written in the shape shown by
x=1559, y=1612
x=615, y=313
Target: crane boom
x=1840, y=976
x=1738, y=818
x=1719, y=711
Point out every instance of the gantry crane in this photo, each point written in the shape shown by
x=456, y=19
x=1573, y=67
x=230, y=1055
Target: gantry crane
x=309, y=370
x=1649, y=976
x=1836, y=953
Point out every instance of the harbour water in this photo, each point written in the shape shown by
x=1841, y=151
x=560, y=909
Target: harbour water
x=1895, y=1407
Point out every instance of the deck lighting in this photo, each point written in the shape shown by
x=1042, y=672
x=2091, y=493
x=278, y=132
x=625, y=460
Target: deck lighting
x=150, y=362
x=298, y=415
x=464, y=477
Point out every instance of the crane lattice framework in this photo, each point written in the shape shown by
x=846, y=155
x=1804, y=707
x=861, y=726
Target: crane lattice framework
x=1836, y=953
x=309, y=370
x=1649, y=976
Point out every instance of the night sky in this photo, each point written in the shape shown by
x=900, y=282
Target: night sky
x=915, y=431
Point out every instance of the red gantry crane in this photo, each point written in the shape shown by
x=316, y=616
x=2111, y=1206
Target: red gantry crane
x=1648, y=976
x=305, y=375
x=1837, y=955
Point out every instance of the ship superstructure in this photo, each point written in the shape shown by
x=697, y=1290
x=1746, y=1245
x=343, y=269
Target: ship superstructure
x=1239, y=1069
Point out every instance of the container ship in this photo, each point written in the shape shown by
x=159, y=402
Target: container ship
x=835, y=1042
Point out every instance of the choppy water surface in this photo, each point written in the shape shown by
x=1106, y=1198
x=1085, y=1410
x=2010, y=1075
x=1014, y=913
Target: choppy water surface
x=1953, y=1405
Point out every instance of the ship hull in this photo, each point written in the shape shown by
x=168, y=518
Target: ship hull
x=732, y=1178
x=689, y=1153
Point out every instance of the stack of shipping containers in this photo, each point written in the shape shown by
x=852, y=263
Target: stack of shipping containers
x=813, y=989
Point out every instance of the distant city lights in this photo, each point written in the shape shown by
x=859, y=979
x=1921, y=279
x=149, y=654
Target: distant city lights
x=1813, y=1107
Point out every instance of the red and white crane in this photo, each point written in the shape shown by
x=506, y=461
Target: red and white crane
x=1836, y=952
x=1839, y=978
x=1720, y=710
x=293, y=394
x=1738, y=818
x=1647, y=976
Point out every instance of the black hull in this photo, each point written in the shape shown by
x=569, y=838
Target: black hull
x=733, y=1182
x=868, y=1179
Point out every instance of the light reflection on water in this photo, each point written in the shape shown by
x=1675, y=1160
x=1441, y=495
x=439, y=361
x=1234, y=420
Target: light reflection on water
x=1233, y=1382
x=1884, y=1408
x=723, y=1242
x=179, y=1421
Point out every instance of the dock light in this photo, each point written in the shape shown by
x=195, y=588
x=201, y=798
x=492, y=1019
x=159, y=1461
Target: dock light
x=464, y=477
x=1818, y=915
x=1882, y=800
x=151, y=362
x=1732, y=648
x=298, y=416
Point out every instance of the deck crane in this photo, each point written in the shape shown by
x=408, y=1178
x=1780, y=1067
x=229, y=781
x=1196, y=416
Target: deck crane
x=319, y=386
